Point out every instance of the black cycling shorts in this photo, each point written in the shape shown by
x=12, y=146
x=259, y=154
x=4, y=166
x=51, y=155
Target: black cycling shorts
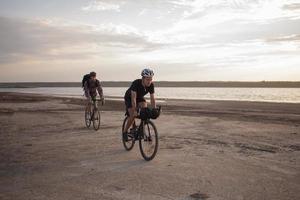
x=128, y=102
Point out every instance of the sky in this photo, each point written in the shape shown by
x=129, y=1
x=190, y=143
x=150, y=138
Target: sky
x=181, y=40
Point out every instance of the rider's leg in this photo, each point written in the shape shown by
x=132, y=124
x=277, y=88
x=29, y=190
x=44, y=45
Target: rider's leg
x=130, y=119
x=95, y=102
x=95, y=106
x=142, y=104
x=88, y=104
x=92, y=105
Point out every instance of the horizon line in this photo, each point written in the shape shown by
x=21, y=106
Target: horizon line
x=263, y=81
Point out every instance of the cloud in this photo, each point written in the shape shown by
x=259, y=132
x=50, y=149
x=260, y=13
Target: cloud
x=188, y=37
x=27, y=39
x=211, y=22
x=101, y=6
x=292, y=6
x=209, y=13
x=142, y=12
x=288, y=38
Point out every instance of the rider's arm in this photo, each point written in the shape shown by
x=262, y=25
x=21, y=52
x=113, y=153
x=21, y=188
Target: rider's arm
x=133, y=99
x=100, y=90
x=152, y=99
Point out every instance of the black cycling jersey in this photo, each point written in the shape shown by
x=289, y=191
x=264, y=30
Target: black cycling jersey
x=91, y=87
x=140, y=90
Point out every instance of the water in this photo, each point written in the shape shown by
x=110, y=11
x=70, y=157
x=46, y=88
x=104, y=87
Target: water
x=289, y=95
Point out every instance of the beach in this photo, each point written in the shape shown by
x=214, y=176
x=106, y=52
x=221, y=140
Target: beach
x=235, y=150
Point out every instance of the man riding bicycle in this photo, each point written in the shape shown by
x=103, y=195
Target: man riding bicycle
x=134, y=97
x=91, y=86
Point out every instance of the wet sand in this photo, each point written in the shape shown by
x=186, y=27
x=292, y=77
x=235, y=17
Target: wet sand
x=207, y=150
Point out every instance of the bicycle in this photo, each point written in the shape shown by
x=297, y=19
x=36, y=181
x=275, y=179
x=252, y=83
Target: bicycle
x=146, y=133
x=92, y=114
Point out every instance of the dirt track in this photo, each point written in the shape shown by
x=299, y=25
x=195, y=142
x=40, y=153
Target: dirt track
x=208, y=150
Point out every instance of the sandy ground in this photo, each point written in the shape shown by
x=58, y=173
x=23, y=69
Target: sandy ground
x=207, y=150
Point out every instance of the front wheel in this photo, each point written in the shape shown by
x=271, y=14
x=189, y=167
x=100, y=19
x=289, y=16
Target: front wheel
x=87, y=116
x=148, y=140
x=96, y=119
x=128, y=145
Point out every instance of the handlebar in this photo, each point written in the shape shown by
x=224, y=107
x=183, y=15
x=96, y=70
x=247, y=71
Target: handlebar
x=158, y=108
x=96, y=100
x=152, y=115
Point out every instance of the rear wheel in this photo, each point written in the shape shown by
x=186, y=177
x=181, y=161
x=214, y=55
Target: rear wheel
x=87, y=117
x=148, y=140
x=128, y=145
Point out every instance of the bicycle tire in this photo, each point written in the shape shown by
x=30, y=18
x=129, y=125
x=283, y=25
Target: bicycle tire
x=128, y=145
x=146, y=138
x=87, y=117
x=96, y=119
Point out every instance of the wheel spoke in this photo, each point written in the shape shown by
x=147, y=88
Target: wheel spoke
x=96, y=119
x=149, y=144
x=87, y=117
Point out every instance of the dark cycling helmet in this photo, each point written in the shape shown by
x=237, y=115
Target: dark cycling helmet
x=92, y=74
x=147, y=73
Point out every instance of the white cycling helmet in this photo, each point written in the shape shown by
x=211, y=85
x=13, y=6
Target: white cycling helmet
x=147, y=73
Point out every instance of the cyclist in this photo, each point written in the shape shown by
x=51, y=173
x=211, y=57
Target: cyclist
x=134, y=97
x=91, y=86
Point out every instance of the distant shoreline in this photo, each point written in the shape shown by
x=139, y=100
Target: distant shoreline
x=261, y=84
x=160, y=101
